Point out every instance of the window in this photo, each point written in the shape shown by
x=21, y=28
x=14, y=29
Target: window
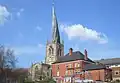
x=77, y=70
x=66, y=72
x=51, y=50
x=36, y=68
x=70, y=65
x=116, y=72
x=76, y=64
x=58, y=73
x=59, y=52
x=71, y=72
x=57, y=67
x=66, y=66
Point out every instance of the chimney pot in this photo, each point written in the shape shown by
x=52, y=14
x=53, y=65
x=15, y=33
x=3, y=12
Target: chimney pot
x=86, y=55
x=70, y=51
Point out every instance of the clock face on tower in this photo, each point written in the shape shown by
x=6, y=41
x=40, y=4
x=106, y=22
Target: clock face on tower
x=50, y=59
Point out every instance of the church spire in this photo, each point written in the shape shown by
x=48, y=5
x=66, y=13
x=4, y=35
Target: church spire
x=55, y=31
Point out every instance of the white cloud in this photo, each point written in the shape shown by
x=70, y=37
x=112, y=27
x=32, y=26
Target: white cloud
x=19, y=12
x=29, y=50
x=83, y=33
x=4, y=14
x=39, y=28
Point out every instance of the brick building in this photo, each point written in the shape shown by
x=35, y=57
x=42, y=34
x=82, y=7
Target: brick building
x=76, y=65
x=114, y=64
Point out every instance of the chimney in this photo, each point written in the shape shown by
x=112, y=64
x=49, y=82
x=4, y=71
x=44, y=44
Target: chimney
x=70, y=51
x=86, y=55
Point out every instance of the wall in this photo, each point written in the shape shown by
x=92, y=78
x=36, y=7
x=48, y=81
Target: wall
x=116, y=73
x=63, y=70
x=91, y=74
x=95, y=75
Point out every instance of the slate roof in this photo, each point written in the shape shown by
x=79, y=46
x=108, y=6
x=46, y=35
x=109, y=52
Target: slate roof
x=75, y=56
x=94, y=67
x=111, y=61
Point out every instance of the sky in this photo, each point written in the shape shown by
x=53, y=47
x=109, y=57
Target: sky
x=26, y=25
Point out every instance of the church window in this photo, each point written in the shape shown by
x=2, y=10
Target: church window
x=51, y=50
x=36, y=68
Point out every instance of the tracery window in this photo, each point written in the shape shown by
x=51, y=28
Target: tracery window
x=51, y=50
x=59, y=52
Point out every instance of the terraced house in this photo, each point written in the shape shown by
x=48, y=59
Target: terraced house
x=114, y=64
x=76, y=65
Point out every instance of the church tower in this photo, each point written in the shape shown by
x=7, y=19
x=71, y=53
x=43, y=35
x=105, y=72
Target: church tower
x=54, y=48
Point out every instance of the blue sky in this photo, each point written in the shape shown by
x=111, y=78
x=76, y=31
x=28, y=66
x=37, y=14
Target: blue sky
x=25, y=26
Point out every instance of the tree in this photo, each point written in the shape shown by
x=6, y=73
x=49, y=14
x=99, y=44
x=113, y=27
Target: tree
x=7, y=62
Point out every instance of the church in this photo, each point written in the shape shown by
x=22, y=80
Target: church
x=54, y=49
x=69, y=67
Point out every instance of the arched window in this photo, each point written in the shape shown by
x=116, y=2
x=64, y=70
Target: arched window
x=51, y=50
x=36, y=68
x=59, y=52
x=36, y=71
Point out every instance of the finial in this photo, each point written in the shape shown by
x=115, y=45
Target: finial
x=53, y=3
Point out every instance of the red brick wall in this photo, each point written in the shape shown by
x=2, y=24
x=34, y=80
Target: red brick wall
x=62, y=67
x=96, y=75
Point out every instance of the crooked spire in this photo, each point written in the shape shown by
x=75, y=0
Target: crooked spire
x=55, y=31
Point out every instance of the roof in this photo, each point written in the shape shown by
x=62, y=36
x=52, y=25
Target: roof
x=111, y=61
x=55, y=32
x=77, y=55
x=94, y=67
